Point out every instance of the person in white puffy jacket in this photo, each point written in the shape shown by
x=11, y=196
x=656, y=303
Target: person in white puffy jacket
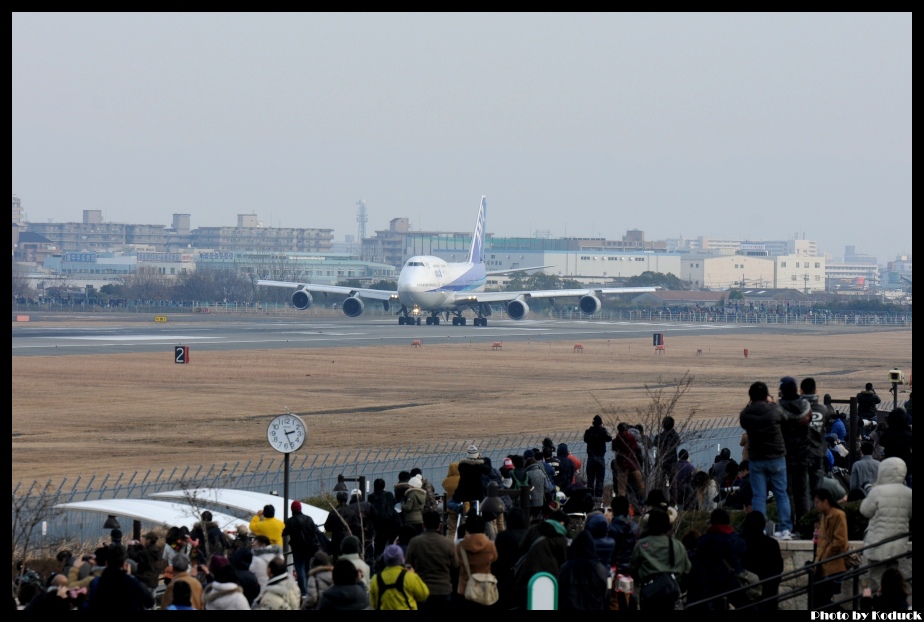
x=888, y=507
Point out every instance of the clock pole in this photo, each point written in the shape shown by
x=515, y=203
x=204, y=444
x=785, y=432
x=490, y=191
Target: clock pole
x=285, y=490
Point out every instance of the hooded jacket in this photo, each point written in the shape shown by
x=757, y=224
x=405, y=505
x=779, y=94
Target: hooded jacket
x=888, y=507
x=225, y=597
x=413, y=505
x=261, y=558
x=451, y=481
x=537, y=480
x=344, y=598
x=604, y=544
x=481, y=553
x=280, y=594
x=582, y=579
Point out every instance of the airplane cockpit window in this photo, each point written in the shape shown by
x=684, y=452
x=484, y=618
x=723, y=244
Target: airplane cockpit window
x=415, y=263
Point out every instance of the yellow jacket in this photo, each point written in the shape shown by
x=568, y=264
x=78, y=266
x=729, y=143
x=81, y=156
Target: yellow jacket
x=390, y=598
x=269, y=527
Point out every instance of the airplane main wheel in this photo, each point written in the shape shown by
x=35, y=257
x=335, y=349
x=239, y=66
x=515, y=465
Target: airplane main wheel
x=401, y=320
x=436, y=321
x=418, y=321
x=455, y=321
x=429, y=321
x=462, y=321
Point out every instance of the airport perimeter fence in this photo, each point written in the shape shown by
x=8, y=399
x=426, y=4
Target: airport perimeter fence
x=697, y=316
x=309, y=476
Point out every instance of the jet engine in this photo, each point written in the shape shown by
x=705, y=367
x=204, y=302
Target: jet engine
x=517, y=309
x=589, y=304
x=302, y=299
x=353, y=306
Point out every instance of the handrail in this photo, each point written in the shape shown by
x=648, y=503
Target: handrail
x=808, y=569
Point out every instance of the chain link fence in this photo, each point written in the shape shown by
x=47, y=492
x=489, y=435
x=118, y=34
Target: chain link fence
x=309, y=476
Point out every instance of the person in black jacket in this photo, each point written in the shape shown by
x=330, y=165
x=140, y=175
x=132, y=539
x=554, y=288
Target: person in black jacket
x=762, y=557
x=867, y=400
x=597, y=439
x=582, y=579
x=387, y=518
x=303, y=542
x=717, y=562
x=115, y=590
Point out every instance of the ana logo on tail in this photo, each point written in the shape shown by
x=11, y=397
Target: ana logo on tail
x=476, y=255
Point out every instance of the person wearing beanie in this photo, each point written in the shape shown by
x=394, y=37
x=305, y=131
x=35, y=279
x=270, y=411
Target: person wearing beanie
x=427, y=488
x=413, y=505
x=597, y=439
x=396, y=588
x=472, y=474
x=303, y=543
x=265, y=523
x=349, y=550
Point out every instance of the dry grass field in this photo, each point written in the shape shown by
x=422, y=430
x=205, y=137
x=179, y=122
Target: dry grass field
x=82, y=415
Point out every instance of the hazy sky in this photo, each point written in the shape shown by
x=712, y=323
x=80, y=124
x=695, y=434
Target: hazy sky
x=722, y=125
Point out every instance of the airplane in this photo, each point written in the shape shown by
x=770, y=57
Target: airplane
x=429, y=286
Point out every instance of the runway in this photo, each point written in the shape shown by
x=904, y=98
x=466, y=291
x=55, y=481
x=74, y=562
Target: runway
x=73, y=335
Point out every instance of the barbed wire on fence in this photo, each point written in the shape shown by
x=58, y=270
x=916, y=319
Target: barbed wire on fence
x=311, y=475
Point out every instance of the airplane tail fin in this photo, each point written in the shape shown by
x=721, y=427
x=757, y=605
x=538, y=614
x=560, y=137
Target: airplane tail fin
x=476, y=254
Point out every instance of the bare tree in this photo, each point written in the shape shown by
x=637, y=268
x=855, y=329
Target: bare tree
x=29, y=511
x=666, y=398
x=146, y=284
x=21, y=287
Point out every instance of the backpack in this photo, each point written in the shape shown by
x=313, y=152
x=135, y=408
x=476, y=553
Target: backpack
x=517, y=482
x=397, y=585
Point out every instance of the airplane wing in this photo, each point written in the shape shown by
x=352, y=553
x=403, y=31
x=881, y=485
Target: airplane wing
x=557, y=293
x=514, y=270
x=373, y=294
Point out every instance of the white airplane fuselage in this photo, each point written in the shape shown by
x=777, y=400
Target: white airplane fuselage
x=430, y=283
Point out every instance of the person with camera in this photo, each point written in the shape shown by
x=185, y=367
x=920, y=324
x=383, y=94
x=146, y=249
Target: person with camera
x=763, y=420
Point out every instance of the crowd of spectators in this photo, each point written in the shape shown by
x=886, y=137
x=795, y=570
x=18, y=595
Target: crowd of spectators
x=543, y=510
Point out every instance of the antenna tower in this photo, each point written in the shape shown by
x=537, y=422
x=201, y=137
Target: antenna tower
x=362, y=219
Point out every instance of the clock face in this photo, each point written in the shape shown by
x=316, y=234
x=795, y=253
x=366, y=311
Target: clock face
x=286, y=433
